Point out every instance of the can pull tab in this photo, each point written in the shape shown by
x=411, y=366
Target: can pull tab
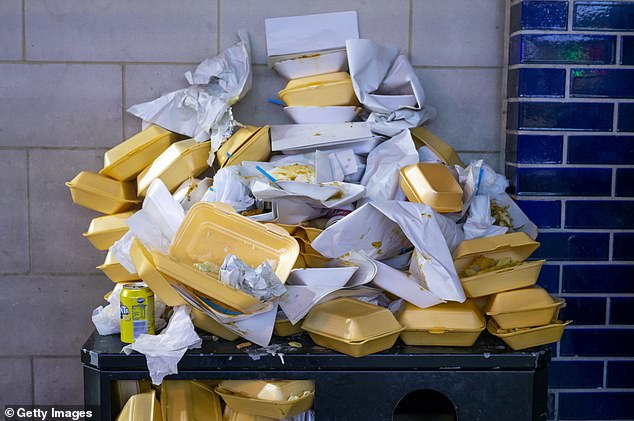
x=437, y=331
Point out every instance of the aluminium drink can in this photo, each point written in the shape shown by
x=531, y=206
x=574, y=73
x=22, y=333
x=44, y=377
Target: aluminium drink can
x=136, y=310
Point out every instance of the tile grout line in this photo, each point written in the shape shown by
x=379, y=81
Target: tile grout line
x=610, y=247
x=123, y=104
x=411, y=28
x=503, y=87
x=23, y=30
x=571, y=15
x=615, y=117
x=28, y=209
x=605, y=374
x=218, y=27
x=608, y=307
x=562, y=221
x=613, y=188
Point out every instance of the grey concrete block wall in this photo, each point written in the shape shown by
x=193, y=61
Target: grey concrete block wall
x=70, y=68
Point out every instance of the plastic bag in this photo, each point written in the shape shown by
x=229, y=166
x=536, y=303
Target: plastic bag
x=381, y=177
x=164, y=351
x=480, y=222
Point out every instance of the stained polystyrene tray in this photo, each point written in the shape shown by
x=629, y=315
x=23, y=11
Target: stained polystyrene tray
x=312, y=64
x=433, y=185
x=189, y=400
x=122, y=390
x=356, y=348
x=101, y=193
x=210, y=231
x=273, y=409
x=126, y=160
x=286, y=328
x=206, y=323
x=249, y=143
x=117, y=273
x=176, y=164
x=518, y=246
x=529, y=337
x=526, y=307
x=447, y=324
x=104, y=231
x=147, y=271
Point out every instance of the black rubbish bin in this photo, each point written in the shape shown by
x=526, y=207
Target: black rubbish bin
x=485, y=382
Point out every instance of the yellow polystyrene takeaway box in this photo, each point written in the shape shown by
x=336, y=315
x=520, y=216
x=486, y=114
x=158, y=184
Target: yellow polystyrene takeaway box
x=104, y=231
x=189, y=400
x=447, y=324
x=433, y=185
x=181, y=160
x=495, y=264
x=206, y=323
x=103, y=194
x=123, y=390
x=266, y=408
x=352, y=327
x=444, y=151
x=522, y=338
x=211, y=231
x=144, y=264
x=284, y=327
x=117, y=273
x=270, y=390
x=525, y=307
x=231, y=415
x=249, y=143
x=126, y=160
x=141, y=407
x=322, y=90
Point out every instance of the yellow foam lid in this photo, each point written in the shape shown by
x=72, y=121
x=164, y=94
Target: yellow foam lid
x=444, y=151
x=317, y=79
x=350, y=320
x=443, y=317
x=271, y=390
x=519, y=300
x=107, y=223
x=189, y=400
x=141, y=407
x=104, y=186
x=433, y=185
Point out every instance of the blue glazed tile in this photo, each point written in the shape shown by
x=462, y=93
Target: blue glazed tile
x=534, y=149
x=599, y=214
x=575, y=374
x=620, y=374
x=560, y=116
x=626, y=118
x=598, y=342
x=545, y=214
x=544, y=15
x=549, y=278
x=621, y=311
x=595, y=406
x=607, y=16
x=601, y=150
x=598, y=278
x=610, y=83
x=572, y=246
x=584, y=310
x=536, y=83
x=625, y=182
x=623, y=247
x=627, y=50
x=562, y=49
x=563, y=181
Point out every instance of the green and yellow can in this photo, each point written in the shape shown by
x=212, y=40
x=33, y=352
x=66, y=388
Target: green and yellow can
x=136, y=310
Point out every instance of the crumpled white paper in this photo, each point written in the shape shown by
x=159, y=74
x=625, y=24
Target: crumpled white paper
x=203, y=110
x=228, y=188
x=191, y=191
x=338, y=165
x=381, y=177
x=261, y=282
x=383, y=229
x=155, y=225
x=479, y=178
x=480, y=222
x=107, y=320
x=164, y=351
x=376, y=69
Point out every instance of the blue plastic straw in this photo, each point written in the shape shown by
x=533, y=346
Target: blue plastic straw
x=276, y=102
x=269, y=176
x=479, y=180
